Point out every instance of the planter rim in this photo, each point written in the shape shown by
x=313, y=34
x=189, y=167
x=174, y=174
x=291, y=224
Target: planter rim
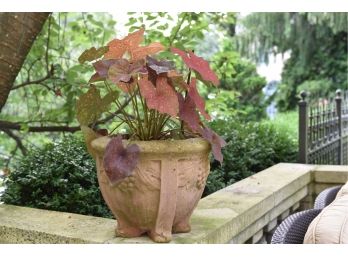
x=189, y=145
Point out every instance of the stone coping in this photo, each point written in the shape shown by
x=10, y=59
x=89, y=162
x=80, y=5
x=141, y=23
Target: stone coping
x=224, y=216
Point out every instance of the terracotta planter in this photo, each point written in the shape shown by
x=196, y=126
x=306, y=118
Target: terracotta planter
x=160, y=196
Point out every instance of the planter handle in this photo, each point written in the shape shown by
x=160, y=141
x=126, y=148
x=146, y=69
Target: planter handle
x=168, y=199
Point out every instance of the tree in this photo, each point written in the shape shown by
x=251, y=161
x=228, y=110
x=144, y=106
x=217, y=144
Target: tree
x=17, y=34
x=239, y=75
x=317, y=43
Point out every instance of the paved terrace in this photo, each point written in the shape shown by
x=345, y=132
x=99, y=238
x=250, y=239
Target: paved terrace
x=245, y=212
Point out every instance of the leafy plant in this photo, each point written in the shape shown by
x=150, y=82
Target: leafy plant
x=60, y=176
x=163, y=103
x=251, y=147
x=239, y=77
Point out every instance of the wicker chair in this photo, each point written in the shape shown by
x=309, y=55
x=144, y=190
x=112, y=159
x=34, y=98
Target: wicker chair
x=293, y=229
x=326, y=197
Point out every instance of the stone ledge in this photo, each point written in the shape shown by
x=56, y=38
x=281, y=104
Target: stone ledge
x=217, y=219
x=28, y=225
x=331, y=174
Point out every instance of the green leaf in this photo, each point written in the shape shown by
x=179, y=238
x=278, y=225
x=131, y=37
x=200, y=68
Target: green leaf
x=92, y=54
x=24, y=127
x=90, y=106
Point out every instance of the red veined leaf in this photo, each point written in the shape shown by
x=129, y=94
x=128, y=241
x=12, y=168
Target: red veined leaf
x=92, y=54
x=173, y=74
x=198, y=100
x=177, y=80
x=101, y=67
x=142, y=51
x=118, y=47
x=119, y=71
x=199, y=77
x=130, y=44
x=127, y=87
x=134, y=39
x=119, y=162
x=122, y=70
x=95, y=77
x=188, y=113
x=162, y=98
x=215, y=141
x=159, y=67
x=198, y=64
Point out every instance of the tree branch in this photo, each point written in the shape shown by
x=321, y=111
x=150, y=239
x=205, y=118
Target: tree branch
x=38, y=81
x=17, y=139
x=107, y=118
x=16, y=126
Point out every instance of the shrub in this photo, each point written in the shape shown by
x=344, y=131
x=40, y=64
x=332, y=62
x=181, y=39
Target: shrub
x=60, y=177
x=251, y=147
x=285, y=123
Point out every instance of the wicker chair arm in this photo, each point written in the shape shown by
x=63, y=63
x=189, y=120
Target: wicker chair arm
x=326, y=197
x=293, y=229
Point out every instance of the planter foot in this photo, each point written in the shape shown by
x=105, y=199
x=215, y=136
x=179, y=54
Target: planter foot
x=182, y=227
x=128, y=232
x=160, y=238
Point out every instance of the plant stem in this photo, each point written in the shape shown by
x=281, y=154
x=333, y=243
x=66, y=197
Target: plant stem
x=177, y=28
x=137, y=116
x=146, y=117
x=122, y=121
x=188, y=83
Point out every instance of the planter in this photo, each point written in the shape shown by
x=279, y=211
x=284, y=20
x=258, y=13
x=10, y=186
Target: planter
x=161, y=194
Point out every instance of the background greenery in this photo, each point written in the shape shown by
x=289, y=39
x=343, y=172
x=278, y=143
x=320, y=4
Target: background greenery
x=60, y=176
x=317, y=43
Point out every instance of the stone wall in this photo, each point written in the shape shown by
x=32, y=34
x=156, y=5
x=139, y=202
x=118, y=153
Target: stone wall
x=245, y=212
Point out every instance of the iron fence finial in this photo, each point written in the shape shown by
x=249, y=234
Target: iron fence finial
x=303, y=95
x=338, y=93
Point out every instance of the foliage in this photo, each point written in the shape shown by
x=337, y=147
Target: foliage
x=54, y=55
x=317, y=43
x=50, y=79
x=184, y=30
x=240, y=76
x=327, y=69
x=316, y=88
x=59, y=176
x=285, y=123
x=250, y=148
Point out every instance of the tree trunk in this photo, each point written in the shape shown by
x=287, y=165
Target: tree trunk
x=17, y=34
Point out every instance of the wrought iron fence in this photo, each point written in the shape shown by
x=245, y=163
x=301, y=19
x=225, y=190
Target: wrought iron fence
x=323, y=130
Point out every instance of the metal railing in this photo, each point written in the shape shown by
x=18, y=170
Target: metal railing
x=323, y=130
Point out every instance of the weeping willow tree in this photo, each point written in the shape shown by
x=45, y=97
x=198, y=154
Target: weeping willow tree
x=317, y=43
